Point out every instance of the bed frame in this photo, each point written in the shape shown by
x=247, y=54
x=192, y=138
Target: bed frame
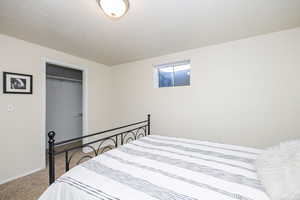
x=119, y=137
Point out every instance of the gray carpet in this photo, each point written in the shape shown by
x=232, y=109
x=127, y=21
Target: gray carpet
x=32, y=186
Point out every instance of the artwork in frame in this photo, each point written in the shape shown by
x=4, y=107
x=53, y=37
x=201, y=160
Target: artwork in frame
x=15, y=83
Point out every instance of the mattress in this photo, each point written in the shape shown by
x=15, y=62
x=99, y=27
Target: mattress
x=163, y=168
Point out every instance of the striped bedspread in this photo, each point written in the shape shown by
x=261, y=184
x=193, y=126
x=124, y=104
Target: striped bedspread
x=164, y=168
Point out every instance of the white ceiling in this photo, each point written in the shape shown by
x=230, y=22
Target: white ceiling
x=150, y=28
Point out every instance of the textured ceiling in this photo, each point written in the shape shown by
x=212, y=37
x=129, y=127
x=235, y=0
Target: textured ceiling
x=150, y=28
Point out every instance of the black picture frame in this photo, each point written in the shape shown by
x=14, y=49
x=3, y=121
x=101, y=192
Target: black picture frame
x=20, y=84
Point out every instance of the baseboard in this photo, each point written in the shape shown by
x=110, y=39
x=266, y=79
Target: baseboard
x=20, y=176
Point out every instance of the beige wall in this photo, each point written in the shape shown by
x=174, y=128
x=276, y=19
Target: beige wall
x=21, y=144
x=245, y=92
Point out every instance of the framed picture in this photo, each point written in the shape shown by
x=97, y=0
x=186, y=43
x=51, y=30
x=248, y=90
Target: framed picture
x=17, y=83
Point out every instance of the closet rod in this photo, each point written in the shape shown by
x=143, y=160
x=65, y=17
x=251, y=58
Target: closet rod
x=63, y=78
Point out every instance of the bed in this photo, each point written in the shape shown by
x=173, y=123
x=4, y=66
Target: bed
x=153, y=167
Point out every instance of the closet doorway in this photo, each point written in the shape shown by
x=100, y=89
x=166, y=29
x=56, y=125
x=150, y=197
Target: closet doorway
x=64, y=103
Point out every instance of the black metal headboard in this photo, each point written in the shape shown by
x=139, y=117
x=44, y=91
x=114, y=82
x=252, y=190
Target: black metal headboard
x=121, y=137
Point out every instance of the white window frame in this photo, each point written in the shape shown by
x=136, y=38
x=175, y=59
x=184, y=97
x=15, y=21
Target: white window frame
x=173, y=65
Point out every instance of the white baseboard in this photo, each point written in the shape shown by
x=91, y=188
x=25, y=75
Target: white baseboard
x=20, y=176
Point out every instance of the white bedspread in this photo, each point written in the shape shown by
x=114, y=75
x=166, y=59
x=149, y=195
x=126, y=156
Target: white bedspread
x=164, y=168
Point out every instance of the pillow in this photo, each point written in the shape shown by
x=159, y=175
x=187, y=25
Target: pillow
x=278, y=169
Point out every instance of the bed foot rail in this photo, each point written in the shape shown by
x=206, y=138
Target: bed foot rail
x=104, y=143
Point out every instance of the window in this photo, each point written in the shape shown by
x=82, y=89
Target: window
x=173, y=74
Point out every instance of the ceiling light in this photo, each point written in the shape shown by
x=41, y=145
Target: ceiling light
x=114, y=9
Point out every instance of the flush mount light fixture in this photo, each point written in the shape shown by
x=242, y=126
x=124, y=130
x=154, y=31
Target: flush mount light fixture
x=114, y=9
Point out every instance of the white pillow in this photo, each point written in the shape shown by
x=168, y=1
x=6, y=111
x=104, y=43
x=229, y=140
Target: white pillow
x=279, y=170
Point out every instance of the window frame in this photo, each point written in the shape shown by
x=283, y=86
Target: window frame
x=172, y=65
